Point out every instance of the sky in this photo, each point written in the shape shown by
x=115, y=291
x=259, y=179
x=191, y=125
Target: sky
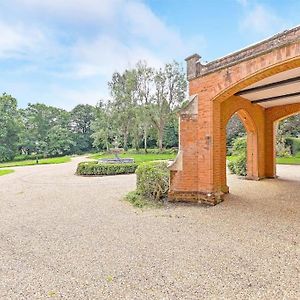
x=63, y=52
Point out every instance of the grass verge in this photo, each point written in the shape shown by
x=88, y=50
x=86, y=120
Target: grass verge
x=5, y=172
x=138, y=158
x=288, y=160
x=279, y=160
x=43, y=161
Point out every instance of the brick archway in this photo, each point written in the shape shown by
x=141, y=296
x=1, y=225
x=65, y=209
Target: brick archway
x=252, y=144
x=221, y=88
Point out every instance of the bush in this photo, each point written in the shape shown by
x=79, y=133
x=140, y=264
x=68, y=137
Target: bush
x=6, y=154
x=238, y=165
x=153, y=151
x=294, y=144
x=102, y=169
x=282, y=150
x=153, y=180
x=28, y=157
x=140, y=201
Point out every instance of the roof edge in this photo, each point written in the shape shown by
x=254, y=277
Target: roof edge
x=196, y=69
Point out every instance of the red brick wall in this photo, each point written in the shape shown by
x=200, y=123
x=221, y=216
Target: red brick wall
x=203, y=139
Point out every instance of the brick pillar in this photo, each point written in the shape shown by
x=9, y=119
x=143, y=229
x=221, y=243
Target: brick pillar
x=196, y=172
x=218, y=148
x=270, y=149
x=184, y=170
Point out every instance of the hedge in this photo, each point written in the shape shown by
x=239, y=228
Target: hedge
x=153, y=151
x=102, y=169
x=153, y=180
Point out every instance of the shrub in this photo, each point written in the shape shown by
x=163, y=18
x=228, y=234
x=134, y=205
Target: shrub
x=102, y=169
x=28, y=157
x=238, y=165
x=294, y=144
x=153, y=180
x=153, y=151
x=6, y=154
x=282, y=150
x=140, y=201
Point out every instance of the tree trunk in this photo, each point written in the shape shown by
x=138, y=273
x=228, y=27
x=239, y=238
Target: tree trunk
x=125, y=140
x=160, y=138
x=145, y=139
x=136, y=141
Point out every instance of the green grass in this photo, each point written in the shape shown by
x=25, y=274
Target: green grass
x=279, y=160
x=5, y=172
x=44, y=161
x=138, y=158
x=288, y=160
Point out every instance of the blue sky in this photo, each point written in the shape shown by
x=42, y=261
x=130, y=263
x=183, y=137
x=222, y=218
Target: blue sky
x=63, y=52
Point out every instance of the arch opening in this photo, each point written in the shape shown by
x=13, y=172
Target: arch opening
x=287, y=142
x=242, y=144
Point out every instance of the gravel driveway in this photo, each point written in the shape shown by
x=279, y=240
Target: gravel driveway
x=69, y=237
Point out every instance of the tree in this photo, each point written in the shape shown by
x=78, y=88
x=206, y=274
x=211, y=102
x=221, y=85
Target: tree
x=235, y=129
x=37, y=120
x=103, y=126
x=171, y=132
x=145, y=86
x=124, y=94
x=10, y=126
x=169, y=92
x=59, y=141
x=290, y=126
x=82, y=117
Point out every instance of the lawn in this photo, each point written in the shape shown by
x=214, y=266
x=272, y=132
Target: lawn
x=43, y=161
x=279, y=160
x=138, y=158
x=288, y=160
x=5, y=172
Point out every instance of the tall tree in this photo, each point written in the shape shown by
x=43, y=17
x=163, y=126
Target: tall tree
x=169, y=92
x=103, y=126
x=82, y=117
x=124, y=94
x=38, y=119
x=59, y=141
x=10, y=126
x=145, y=87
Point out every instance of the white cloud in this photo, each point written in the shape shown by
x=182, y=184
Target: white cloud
x=261, y=20
x=73, y=10
x=18, y=42
x=144, y=23
x=85, y=41
x=105, y=55
x=67, y=98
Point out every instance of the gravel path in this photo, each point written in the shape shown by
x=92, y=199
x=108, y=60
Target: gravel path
x=69, y=237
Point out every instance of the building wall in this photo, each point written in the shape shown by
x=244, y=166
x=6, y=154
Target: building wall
x=202, y=177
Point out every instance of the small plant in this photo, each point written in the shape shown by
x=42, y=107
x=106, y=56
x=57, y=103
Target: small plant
x=102, y=169
x=140, y=201
x=238, y=165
